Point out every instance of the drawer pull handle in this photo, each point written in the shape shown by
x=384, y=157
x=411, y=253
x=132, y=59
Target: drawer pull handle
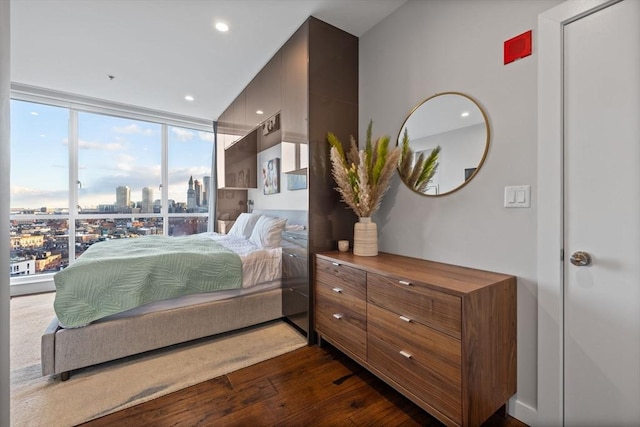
x=291, y=255
x=405, y=318
x=337, y=290
x=405, y=354
x=337, y=264
x=337, y=316
x=404, y=282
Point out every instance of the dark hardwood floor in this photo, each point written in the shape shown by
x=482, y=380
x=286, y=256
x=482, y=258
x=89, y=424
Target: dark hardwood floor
x=310, y=386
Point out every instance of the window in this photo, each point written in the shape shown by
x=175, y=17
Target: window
x=81, y=176
x=119, y=164
x=189, y=186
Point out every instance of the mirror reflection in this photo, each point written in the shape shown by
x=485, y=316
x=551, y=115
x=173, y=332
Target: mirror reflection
x=448, y=138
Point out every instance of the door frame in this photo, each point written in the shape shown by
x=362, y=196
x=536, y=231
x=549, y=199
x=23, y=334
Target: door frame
x=550, y=405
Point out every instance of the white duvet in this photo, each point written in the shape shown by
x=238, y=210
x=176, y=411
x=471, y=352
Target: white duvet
x=258, y=264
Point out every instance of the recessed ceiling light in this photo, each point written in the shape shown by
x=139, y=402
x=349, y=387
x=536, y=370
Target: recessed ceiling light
x=189, y=98
x=33, y=113
x=221, y=26
x=464, y=114
x=259, y=112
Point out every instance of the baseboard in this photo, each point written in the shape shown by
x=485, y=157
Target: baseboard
x=523, y=412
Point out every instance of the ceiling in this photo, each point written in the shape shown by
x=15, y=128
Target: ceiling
x=159, y=51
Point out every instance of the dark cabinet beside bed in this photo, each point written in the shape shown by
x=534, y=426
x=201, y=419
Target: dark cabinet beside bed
x=311, y=86
x=295, y=278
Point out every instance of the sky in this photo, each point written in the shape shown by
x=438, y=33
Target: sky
x=112, y=152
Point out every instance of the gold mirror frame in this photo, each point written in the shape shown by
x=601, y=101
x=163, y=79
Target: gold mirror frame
x=436, y=118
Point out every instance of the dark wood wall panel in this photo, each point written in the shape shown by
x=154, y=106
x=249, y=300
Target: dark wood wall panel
x=313, y=82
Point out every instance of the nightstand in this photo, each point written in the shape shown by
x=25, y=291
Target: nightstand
x=295, y=278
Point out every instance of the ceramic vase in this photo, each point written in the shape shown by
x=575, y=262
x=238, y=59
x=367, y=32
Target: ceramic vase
x=365, y=237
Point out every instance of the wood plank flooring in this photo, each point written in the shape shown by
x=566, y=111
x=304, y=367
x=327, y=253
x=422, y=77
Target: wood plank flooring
x=316, y=386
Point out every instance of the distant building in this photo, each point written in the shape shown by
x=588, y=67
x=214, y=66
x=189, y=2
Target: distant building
x=26, y=241
x=191, y=196
x=48, y=261
x=108, y=208
x=198, y=190
x=206, y=191
x=22, y=267
x=123, y=198
x=147, y=200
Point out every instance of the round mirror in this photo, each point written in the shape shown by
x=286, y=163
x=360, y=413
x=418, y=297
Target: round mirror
x=444, y=142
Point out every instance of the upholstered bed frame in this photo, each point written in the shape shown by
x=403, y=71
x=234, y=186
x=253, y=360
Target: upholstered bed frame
x=63, y=350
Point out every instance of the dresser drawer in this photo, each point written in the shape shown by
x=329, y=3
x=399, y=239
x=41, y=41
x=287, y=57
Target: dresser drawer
x=434, y=350
x=294, y=267
x=438, y=310
x=294, y=244
x=341, y=319
x=294, y=251
x=348, y=280
x=409, y=367
x=327, y=296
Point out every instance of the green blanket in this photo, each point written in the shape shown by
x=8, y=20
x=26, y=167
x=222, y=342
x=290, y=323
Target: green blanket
x=117, y=275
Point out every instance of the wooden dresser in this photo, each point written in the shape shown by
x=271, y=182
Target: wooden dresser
x=442, y=335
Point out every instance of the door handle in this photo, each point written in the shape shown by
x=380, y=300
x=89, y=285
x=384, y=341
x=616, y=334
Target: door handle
x=580, y=258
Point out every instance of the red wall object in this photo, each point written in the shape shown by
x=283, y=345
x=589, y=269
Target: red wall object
x=517, y=47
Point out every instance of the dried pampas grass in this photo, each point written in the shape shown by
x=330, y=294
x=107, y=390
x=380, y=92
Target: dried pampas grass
x=363, y=176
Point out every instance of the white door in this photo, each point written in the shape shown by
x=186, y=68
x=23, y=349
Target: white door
x=602, y=217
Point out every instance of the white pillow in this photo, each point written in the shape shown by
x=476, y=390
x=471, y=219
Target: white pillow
x=268, y=232
x=244, y=225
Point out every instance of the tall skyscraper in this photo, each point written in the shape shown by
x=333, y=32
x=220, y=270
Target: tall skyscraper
x=147, y=200
x=123, y=198
x=198, y=189
x=207, y=191
x=191, y=196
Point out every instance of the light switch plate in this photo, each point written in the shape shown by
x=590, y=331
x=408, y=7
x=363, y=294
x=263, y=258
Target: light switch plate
x=517, y=196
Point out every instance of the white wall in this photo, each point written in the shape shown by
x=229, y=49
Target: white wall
x=4, y=217
x=428, y=47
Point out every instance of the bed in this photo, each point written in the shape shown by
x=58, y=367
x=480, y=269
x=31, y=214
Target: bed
x=166, y=322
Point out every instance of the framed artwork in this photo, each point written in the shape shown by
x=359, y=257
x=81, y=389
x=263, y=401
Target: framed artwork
x=271, y=176
x=296, y=182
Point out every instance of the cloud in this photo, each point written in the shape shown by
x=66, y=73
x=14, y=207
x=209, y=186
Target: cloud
x=133, y=129
x=206, y=136
x=183, y=135
x=177, y=175
x=26, y=197
x=125, y=162
x=93, y=145
x=17, y=190
x=103, y=189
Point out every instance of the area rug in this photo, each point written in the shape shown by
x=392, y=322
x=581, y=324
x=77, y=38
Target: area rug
x=97, y=391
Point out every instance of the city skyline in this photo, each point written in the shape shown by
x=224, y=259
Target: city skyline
x=112, y=152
